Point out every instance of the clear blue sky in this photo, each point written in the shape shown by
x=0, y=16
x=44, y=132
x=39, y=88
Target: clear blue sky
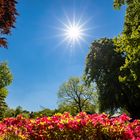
x=38, y=59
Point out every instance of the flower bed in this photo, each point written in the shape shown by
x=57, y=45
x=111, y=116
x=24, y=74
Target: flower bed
x=67, y=127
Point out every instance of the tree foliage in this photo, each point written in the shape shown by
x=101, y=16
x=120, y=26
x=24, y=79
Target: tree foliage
x=126, y=94
x=5, y=80
x=129, y=42
x=103, y=68
x=76, y=95
x=44, y=112
x=10, y=112
x=7, y=19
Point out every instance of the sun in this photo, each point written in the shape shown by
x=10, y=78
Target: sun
x=73, y=30
x=73, y=33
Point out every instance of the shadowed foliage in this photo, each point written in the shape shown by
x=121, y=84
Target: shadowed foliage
x=102, y=67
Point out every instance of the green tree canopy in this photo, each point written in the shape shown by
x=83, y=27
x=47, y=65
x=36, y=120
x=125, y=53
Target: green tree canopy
x=5, y=80
x=129, y=42
x=103, y=68
x=75, y=94
x=44, y=112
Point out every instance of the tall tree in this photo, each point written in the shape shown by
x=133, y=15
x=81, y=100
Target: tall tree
x=7, y=19
x=129, y=42
x=103, y=68
x=75, y=94
x=5, y=80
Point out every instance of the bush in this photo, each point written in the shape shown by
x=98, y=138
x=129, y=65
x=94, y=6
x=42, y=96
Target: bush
x=64, y=126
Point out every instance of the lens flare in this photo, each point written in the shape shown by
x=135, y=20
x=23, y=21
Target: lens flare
x=73, y=30
x=73, y=33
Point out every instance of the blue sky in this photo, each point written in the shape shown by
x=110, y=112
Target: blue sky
x=38, y=59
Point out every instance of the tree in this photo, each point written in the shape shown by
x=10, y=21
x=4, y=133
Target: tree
x=65, y=107
x=3, y=105
x=128, y=45
x=44, y=112
x=5, y=80
x=9, y=113
x=75, y=94
x=103, y=68
x=129, y=42
x=18, y=111
x=7, y=19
